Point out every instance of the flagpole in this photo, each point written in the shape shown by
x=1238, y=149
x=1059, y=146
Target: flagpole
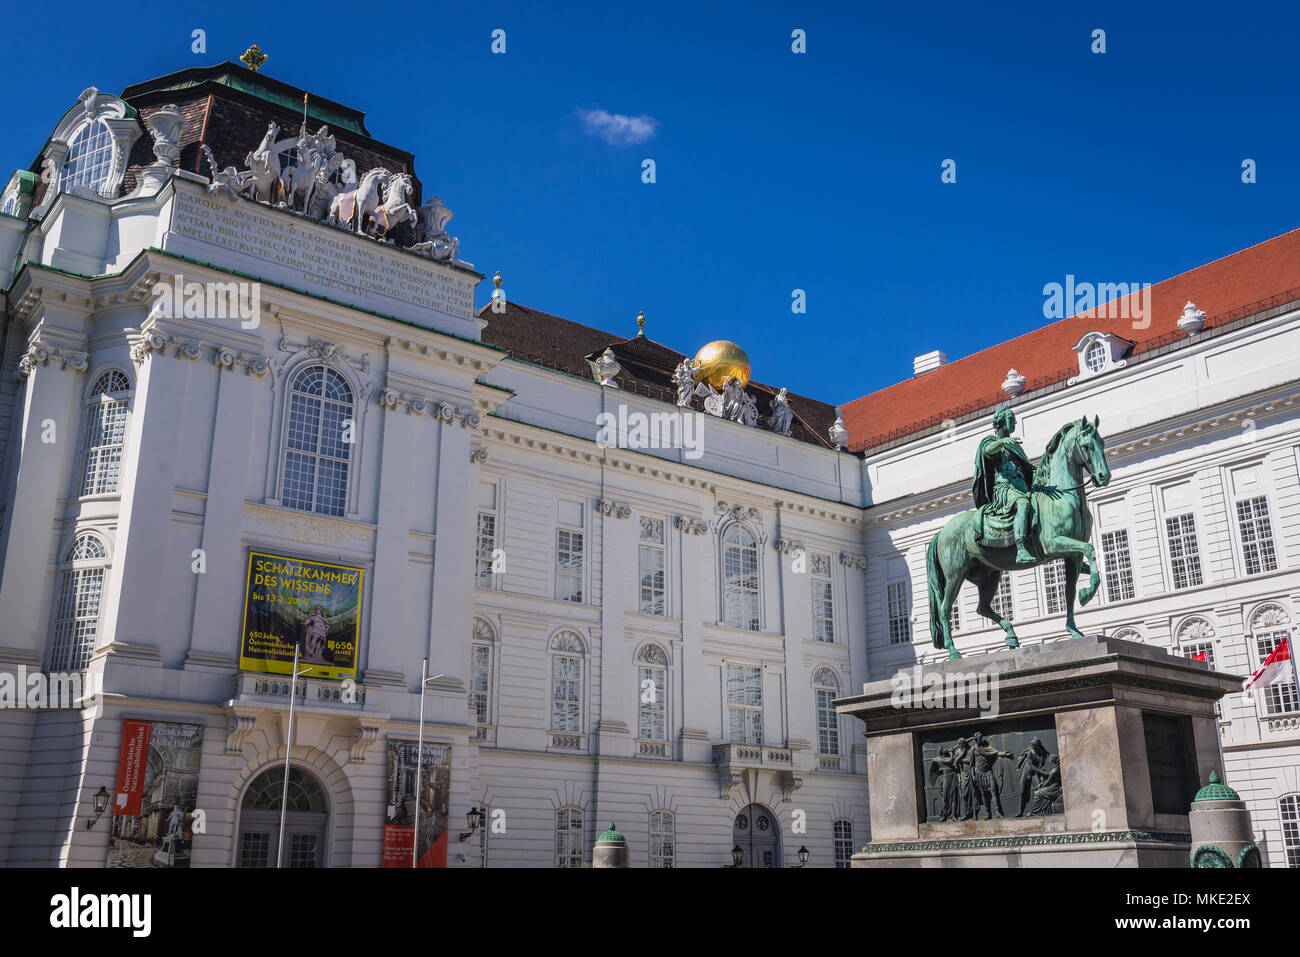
x=419, y=768
x=288, y=748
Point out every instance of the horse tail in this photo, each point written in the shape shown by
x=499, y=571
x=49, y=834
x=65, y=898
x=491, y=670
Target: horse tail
x=936, y=587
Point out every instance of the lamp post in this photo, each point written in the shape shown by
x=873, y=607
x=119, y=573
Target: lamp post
x=101, y=805
x=803, y=856
x=288, y=750
x=737, y=856
x=419, y=763
x=474, y=818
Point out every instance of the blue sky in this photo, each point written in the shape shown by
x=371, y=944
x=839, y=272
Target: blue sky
x=778, y=171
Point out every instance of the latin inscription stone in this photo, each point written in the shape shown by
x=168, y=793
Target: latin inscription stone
x=321, y=259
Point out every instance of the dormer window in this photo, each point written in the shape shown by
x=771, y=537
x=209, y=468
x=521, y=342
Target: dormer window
x=88, y=149
x=1099, y=353
x=90, y=158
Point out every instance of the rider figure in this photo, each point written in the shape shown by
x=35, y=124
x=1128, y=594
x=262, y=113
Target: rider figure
x=1002, y=479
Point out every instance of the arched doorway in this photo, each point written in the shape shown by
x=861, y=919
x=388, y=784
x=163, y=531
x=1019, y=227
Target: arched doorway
x=305, y=821
x=757, y=833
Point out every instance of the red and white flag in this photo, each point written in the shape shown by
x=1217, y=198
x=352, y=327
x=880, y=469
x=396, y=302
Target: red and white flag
x=1276, y=669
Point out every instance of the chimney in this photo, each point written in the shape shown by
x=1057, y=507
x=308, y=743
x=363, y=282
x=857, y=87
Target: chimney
x=928, y=362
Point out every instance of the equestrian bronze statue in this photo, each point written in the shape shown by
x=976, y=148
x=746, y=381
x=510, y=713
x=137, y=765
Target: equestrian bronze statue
x=1022, y=517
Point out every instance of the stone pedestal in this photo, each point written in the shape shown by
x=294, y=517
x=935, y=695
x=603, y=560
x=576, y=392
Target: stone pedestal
x=1085, y=752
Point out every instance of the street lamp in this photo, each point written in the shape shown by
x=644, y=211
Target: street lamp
x=419, y=763
x=803, y=856
x=737, y=856
x=101, y=805
x=474, y=817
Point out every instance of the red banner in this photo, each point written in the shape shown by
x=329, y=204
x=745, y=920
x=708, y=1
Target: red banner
x=130, y=767
x=397, y=848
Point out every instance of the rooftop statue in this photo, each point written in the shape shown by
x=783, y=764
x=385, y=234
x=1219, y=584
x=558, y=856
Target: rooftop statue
x=779, y=413
x=1023, y=517
x=308, y=175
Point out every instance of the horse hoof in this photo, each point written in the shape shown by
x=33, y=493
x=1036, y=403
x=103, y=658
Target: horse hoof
x=1013, y=643
x=954, y=655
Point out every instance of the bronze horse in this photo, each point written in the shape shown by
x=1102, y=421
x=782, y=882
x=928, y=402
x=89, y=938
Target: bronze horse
x=1061, y=528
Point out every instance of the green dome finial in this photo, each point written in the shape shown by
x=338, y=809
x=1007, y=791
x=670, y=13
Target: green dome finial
x=1216, y=791
x=612, y=835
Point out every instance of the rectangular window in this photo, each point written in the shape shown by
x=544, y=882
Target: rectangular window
x=1054, y=587
x=828, y=725
x=1194, y=648
x=1256, y=535
x=652, y=580
x=105, y=435
x=843, y=843
x=745, y=704
x=1279, y=698
x=662, y=849
x=1289, y=810
x=566, y=694
x=1184, y=554
x=1118, y=564
x=568, y=565
x=568, y=837
x=77, y=620
x=900, y=614
x=823, y=610
x=481, y=682
x=1003, y=603
x=651, y=712
x=486, y=543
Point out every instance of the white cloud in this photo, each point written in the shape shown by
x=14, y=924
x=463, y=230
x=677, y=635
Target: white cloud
x=618, y=129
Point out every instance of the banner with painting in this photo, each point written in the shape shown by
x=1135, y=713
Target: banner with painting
x=153, y=819
x=291, y=601
x=430, y=800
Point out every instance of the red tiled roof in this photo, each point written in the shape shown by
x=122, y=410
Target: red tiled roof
x=1223, y=289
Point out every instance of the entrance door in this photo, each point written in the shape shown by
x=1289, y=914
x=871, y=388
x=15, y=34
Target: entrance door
x=305, y=821
x=758, y=835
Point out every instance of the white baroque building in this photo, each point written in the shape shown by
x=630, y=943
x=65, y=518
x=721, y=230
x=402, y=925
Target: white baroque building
x=651, y=636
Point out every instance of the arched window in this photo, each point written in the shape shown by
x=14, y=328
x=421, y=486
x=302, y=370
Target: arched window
x=90, y=157
x=740, y=578
x=1270, y=625
x=567, y=654
x=305, y=818
x=105, y=433
x=480, y=692
x=1128, y=634
x=663, y=844
x=318, y=444
x=76, y=620
x=652, y=694
x=842, y=834
x=827, y=688
x=568, y=837
x=1288, y=807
